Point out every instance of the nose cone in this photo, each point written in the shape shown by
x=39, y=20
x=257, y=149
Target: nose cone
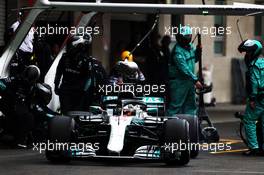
x=117, y=135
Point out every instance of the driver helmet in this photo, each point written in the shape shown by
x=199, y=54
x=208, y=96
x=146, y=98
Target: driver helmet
x=126, y=55
x=31, y=74
x=184, y=37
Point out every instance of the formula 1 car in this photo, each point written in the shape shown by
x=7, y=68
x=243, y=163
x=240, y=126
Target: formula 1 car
x=124, y=127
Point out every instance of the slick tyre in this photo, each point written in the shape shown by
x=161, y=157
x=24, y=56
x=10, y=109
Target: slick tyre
x=176, y=131
x=60, y=130
x=194, y=133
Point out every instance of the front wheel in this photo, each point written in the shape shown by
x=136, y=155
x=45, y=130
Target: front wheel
x=194, y=132
x=175, y=133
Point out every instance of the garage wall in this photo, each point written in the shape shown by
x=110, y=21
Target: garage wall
x=222, y=75
x=2, y=21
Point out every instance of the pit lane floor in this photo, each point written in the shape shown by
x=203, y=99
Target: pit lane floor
x=28, y=162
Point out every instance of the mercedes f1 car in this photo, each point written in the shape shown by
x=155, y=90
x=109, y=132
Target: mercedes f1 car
x=125, y=127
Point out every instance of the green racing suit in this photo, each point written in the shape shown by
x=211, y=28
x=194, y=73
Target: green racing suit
x=256, y=94
x=182, y=79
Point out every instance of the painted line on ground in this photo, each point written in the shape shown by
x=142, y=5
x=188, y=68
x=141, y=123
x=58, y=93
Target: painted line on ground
x=227, y=172
x=229, y=151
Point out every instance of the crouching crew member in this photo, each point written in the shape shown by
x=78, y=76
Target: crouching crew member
x=16, y=96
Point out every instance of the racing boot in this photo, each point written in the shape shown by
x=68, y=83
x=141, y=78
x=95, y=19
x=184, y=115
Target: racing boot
x=252, y=152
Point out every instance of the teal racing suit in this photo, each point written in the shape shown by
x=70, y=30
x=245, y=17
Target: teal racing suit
x=256, y=94
x=182, y=79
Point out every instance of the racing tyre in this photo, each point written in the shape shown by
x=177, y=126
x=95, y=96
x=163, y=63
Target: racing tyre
x=60, y=130
x=175, y=131
x=194, y=133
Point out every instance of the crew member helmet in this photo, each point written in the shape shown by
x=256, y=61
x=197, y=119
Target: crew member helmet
x=126, y=55
x=184, y=36
x=31, y=74
x=81, y=39
x=253, y=47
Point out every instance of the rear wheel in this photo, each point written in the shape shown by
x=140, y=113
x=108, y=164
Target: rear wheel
x=60, y=131
x=194, y=133
x=175, y=131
